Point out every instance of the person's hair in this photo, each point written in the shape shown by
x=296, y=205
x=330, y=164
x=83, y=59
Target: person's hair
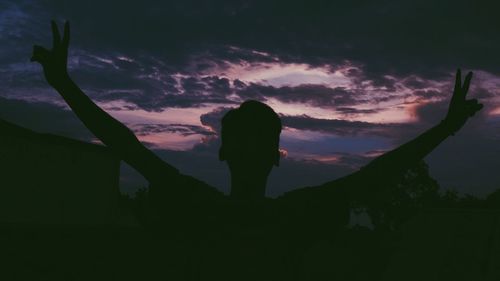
x=251, y=118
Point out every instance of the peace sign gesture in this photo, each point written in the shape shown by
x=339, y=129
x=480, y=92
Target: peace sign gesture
x=54, y=62
x=460, y=108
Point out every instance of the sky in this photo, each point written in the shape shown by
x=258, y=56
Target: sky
x=350, y=80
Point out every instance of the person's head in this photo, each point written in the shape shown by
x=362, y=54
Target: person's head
x=250, y=142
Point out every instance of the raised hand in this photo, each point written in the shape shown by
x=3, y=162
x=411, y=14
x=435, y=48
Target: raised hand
x=460, y=108
x=54, y=61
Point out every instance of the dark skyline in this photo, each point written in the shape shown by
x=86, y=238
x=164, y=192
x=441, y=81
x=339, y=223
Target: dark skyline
x=350, y=80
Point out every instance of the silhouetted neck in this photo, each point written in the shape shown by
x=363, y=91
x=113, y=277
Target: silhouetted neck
x=248, y=188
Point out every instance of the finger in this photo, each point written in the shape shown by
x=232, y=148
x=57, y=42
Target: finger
x=65, y=40
x=465, y=88
x=56, y=37
x=458, y=81
x=474, y=110
x=478, y=107
x=39, y=54
x=473, y=106
x=471, y=103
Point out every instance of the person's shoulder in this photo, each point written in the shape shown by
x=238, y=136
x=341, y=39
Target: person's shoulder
x=324, y=198
x=187, y=186
x=200, y=188
x=315, y=192
x=297, y=194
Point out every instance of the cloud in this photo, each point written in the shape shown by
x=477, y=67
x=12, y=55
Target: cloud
x=386, y=38
x=356, y=111
x=152, y=54
x=213, y=118
x=311, y=94
x=182, y=129
x=157, y=55
x=341, y=127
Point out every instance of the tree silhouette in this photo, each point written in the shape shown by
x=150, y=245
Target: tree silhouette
x=402, y=200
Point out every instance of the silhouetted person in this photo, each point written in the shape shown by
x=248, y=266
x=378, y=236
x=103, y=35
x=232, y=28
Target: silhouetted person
x=250, y=143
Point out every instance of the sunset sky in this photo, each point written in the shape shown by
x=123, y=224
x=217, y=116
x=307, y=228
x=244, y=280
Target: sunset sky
x=350, y=79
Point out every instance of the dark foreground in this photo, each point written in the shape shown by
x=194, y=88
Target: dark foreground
x=442, y=244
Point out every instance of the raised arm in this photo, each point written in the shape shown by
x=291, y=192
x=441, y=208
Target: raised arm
x=408, y=154
x=110, y=131
x=391, y=165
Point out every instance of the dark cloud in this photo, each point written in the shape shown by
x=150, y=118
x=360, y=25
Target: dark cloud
x=388, y=84
x=356, y=111
x=431, y=113
x=343, y=127
x=403, y=37
x=154, y=90
x=311, y=94
x=213, y=118
x=443, y=91
x=182, y=129
x=210, y=85
x=385, y=41
x=414, y=82
x=334, y=126
x=483, y=94
x=330, y=126
x=427, y=94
